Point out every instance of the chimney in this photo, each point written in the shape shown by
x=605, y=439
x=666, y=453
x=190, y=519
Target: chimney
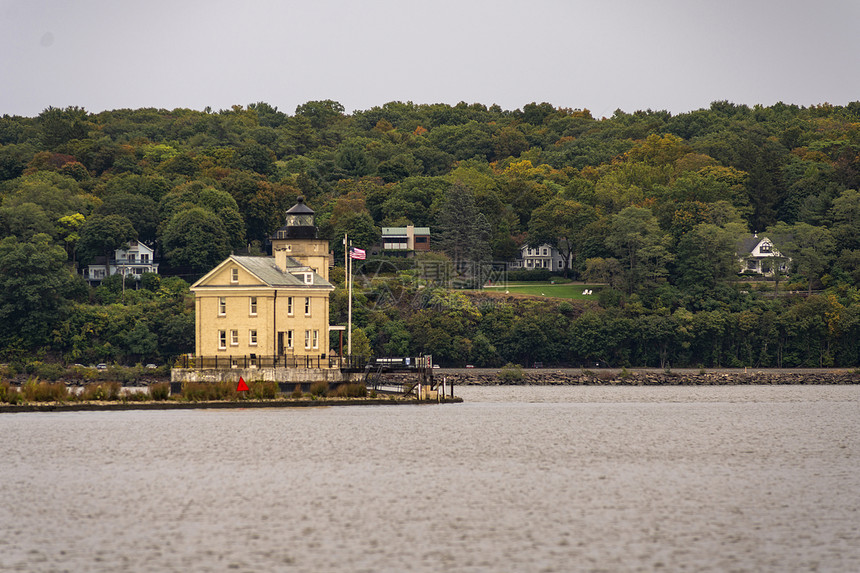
x=281, y=257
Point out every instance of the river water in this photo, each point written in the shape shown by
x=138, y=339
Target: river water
x=738, y=478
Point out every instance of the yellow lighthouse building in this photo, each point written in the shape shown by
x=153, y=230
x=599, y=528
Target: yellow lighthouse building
x=268, y=311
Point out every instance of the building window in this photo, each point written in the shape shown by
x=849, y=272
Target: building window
x=234, y=338
x=222, y=339
x=289, y=339
x=234, y=275
x=252, y=338
x=560, y=264
x=752, y=264
x=766, y=248
x=307, y=340
x=222, y=306
x=316, y=338
x=290, y=306
x=544, y=252
x=253, y=306
x=144, y=258
x=309, y=278
x=307, y=306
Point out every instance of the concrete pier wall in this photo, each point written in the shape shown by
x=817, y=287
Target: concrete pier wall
x=293, y=375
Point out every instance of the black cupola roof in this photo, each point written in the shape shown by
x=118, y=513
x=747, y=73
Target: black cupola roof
x=299, y=224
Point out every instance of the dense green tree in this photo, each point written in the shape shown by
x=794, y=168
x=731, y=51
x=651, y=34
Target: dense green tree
x=810, y=248
x=321, y=114
x=141, y=342
x=845, y=215
x=13, y=160
x=103, y=234
x=35, y=286
x=55, y=194
x=707, y=255
x=354, y=160
x=637, y=240
x=255, y=157
x=59, y=126
x=360, y=228
x=140, y=210
x=24, y=220
x=468, y=141
x=462, y=232
x=195, y=238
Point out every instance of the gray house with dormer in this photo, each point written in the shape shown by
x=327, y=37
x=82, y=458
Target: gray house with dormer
x=758, y=255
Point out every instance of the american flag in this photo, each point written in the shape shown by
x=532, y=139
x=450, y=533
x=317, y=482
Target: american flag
x=357, y=254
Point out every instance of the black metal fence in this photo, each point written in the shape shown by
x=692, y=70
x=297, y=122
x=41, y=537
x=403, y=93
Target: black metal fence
x=256, y=361
x=353, y=363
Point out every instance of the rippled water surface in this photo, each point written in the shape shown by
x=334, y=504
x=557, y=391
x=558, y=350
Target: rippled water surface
x=516, y=479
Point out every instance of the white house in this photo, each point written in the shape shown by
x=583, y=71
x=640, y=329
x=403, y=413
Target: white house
x=133, y=261
x=542, y=257
x=758, y=255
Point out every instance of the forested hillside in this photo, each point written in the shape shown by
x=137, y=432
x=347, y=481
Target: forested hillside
x=651, y=204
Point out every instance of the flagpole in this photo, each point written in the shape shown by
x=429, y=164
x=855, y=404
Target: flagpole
x=349, y=306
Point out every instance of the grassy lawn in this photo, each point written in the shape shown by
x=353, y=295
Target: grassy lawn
x=547, y=289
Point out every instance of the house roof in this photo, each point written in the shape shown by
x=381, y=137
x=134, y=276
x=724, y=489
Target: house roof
x=300, y=208
x=747, y=244
x=398, y=231
x=265, y=269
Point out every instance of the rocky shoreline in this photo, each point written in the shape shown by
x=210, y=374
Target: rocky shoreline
x=653, y=378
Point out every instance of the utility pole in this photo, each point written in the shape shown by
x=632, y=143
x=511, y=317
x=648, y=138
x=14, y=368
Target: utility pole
x=349, y=304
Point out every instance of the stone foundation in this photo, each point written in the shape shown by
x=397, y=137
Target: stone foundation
x=290, y=375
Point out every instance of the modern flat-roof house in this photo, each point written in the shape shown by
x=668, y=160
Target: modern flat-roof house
x=275, y=307
x=542, y=257
x=759, y=255
x=405, y=240
x=134, y=260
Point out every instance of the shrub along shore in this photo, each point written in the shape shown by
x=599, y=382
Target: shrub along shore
x=36, y=396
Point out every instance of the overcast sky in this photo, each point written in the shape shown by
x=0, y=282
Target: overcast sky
x=677, y=55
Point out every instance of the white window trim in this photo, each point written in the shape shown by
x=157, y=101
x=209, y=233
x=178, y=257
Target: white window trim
x=289, y=306
x=252, y=338
x=234, y=338
x=252, y=306
x=222, y=306
x=316, y=338
x=289, y=339
x=307, y=306
x=234, y=275
x=307, y=340
x=222, y=340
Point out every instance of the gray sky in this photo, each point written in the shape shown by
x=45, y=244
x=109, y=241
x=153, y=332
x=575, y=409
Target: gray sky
x=677, y=55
